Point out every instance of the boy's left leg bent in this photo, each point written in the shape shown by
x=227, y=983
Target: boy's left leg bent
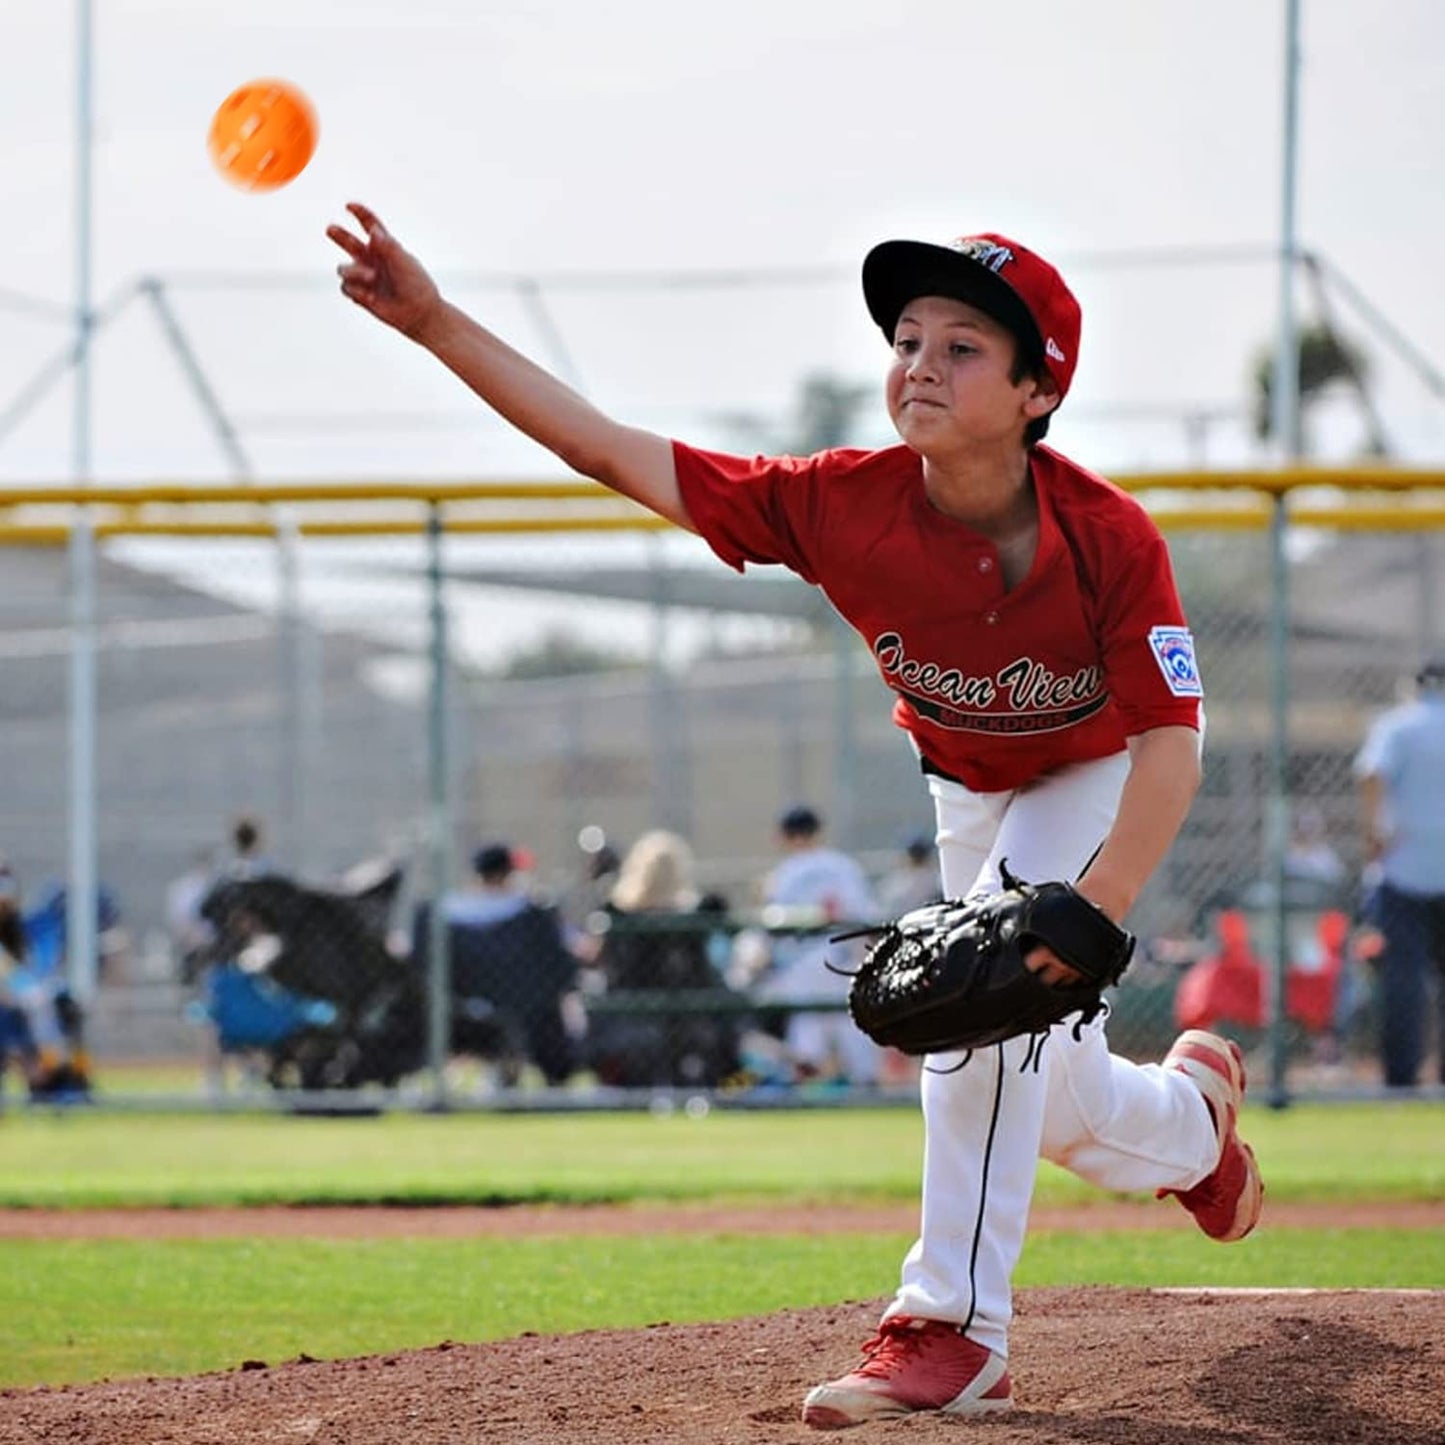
x=943, y=1342
x=1170, y=1128
x=1121, y=1125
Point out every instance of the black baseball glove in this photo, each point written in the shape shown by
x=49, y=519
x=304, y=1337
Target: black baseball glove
x=952, y=976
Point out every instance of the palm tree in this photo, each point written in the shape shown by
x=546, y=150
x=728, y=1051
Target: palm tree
x=824, y=414
x=1325, y=358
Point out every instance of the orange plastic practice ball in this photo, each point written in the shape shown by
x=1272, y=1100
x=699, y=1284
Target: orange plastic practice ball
x=262, y=135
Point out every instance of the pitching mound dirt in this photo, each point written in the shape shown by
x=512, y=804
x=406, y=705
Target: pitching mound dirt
x=1106, y=1367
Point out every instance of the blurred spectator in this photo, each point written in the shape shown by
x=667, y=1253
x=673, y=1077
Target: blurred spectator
x=599, y=862
x=817, y=886
x=1310, y=855
x=191, y=932
x=514, y=980
x=656, y=875
x=1401, y=773
x=249, y=858
x=45, y=929
x=913, y=881
x=498, y=887
x=40, y=1022
x=1227, y=984
x=218, y=900
x=655, y=940
x=301, y=986
x=17, y=1039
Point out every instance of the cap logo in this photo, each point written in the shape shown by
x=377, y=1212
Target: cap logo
x=986, y=253
x=1051, y=349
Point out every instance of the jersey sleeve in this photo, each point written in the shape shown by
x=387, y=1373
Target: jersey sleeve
x=1145, y=643
x=750, y=509
x=1378, y=752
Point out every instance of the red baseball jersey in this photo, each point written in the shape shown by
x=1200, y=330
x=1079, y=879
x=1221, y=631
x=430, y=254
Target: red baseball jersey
x=995, y=688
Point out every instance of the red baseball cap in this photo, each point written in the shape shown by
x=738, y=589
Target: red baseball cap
x=1018, y=288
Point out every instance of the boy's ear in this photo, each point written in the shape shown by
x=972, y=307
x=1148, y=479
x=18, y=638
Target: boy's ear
x=1044, y=398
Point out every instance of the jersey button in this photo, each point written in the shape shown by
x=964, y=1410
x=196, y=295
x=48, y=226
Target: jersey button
x=985, y=564
x=990, y=618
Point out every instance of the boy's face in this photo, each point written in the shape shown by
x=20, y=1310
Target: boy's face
x=949, y=388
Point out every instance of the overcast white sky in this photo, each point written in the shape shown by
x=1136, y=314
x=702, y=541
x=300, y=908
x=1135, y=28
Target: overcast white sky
x=655, y=136
x=651, y=135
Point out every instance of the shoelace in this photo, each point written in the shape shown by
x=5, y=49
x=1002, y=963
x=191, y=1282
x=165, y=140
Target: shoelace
x=890, y=1348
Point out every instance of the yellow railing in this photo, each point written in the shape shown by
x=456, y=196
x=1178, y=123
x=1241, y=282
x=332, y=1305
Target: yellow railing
x=42, y=514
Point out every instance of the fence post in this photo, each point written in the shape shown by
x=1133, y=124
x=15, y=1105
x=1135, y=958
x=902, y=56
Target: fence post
x=671, y=789
x=83, y=888
x=1277, y=820
x=1285, y=430
x=81, y=926
x=296, y=688
x=845, y=737
x=439, y=813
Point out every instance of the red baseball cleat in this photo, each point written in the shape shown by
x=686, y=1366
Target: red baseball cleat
x=1225, y=1203
x=912, y=1365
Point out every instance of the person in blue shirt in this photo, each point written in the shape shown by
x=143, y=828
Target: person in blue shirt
x=1401, y=773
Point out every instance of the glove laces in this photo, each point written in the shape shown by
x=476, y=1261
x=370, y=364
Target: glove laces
x=1034, y=1054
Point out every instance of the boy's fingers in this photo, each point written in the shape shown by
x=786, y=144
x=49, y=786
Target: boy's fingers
x=370, y=221
x=348, y=243
x=1051, y=970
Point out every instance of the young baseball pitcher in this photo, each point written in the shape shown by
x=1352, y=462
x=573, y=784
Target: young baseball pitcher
x=1024, y=613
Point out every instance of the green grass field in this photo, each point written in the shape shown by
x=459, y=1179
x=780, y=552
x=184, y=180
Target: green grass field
x=77, y=1310
x=78, y=1159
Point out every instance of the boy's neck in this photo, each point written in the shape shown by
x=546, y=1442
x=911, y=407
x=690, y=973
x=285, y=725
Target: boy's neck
x=994, y=494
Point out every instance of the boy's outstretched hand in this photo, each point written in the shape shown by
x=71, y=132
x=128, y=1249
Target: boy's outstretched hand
x=383, y=277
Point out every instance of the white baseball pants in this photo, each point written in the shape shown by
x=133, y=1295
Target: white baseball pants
x=1120, y=1125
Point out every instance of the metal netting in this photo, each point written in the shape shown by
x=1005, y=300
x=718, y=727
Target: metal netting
x=245, y=679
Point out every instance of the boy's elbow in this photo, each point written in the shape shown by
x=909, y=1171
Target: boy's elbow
x=586, y=458
x=642, y=469
x=1194, y=763
x=1191, y=766
x=1173, y=752
x=613, y=472
x=602, y=456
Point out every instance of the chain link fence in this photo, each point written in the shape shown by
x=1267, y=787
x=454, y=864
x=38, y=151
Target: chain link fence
x=292, y=682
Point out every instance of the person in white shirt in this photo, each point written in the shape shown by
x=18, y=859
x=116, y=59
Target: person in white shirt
x=818, y=885
x=913, y=882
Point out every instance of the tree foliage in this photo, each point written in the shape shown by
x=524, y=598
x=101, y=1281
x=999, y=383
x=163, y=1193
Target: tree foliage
x=1325, y=358
x=824, y=413
x=562, y=653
